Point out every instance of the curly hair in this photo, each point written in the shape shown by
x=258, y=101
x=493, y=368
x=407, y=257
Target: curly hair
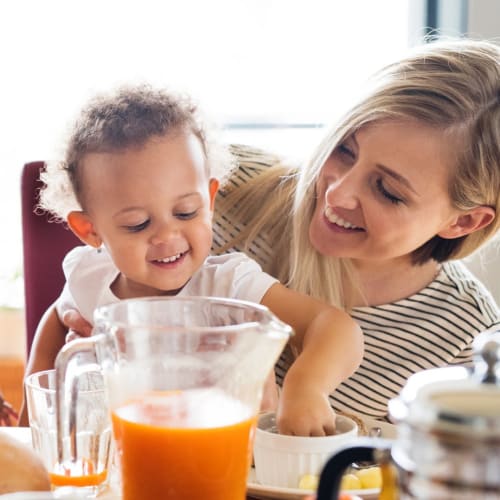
x=126, y=118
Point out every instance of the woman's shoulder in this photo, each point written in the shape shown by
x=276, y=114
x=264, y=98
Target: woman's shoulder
x=464, y=287
x=455, y=295
x=248, y=163
x=251, y=156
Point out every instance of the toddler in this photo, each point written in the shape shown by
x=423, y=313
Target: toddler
x=137, y=186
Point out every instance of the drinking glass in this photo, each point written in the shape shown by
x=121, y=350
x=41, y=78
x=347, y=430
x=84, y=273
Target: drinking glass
x=91, y=431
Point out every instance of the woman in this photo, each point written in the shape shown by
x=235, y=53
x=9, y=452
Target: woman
x=406, y=183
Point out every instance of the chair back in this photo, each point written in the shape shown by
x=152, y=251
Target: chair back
x=45, y=244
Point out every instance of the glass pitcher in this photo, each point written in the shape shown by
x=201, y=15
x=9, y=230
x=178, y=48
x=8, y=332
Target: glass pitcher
x=184, y=380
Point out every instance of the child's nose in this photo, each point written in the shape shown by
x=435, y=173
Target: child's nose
x=164, y=233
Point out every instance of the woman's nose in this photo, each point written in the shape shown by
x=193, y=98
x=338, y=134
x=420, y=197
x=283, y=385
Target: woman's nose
x=343, y=191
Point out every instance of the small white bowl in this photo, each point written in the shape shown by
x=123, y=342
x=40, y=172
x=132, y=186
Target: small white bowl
x=282, y=460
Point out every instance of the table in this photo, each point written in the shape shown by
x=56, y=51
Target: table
x=23, y=434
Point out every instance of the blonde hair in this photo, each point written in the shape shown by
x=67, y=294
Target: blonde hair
x=126, y=118
x=452, y=86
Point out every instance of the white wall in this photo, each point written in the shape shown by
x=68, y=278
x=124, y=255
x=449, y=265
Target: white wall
x=483, y=18
x=483, y=21
x=485, y=264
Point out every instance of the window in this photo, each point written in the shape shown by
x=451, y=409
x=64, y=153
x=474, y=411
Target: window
x=270, y=72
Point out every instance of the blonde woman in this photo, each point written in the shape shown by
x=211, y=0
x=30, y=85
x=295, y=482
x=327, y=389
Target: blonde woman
x=401, y=188
x=405, y=185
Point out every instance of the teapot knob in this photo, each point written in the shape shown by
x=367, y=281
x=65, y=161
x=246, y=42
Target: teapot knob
x=487, y=366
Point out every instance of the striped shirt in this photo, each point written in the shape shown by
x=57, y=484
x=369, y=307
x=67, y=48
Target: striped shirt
x=432, y=328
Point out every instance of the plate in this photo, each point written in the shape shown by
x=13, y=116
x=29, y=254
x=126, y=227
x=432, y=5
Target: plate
x=22, y=434
x=258, y=490
x=388, y=431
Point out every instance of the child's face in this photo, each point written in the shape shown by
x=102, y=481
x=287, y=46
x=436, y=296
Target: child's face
x=152, y=208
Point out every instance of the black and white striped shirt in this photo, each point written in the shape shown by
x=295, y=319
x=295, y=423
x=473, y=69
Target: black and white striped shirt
x=432, y=328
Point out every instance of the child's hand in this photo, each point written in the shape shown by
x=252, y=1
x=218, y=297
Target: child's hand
x=305, y=411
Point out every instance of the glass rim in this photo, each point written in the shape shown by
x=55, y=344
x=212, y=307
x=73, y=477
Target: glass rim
x=104, y=314
x=29, y=382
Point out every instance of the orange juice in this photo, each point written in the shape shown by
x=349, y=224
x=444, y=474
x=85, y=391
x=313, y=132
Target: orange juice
x=80, y=473
x=184, y=445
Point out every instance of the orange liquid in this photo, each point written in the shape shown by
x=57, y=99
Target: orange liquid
x=172, y=447
x=81, y=473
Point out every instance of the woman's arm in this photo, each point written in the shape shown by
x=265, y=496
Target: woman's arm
x=48, y=340
x=329, y=344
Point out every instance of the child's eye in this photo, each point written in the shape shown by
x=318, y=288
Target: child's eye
x=138, y=227
x=386, y=194
x=186, y=215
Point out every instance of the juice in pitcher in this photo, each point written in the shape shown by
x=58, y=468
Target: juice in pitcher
x=181, y=445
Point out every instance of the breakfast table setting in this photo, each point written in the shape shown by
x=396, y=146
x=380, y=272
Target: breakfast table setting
x=162, y=402
x=255, y=490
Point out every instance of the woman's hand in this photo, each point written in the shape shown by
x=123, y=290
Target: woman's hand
x=77, y=325
x=8, y=416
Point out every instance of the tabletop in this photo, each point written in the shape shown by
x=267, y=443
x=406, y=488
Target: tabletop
x=23, y=434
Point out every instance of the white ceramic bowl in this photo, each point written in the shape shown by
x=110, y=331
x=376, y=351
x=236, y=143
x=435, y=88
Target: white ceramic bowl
x=281, y=460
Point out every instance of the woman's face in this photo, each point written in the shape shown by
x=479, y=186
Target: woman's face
x=383, y=192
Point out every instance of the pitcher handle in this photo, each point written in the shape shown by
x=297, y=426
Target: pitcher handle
x=67, y=378
x=331, y=474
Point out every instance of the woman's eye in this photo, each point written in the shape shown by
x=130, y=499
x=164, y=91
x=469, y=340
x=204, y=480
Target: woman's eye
x=186, y=215
x=387, y=194
x=138, y=227
x=345, y=150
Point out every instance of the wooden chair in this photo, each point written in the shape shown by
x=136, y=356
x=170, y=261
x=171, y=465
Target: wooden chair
x=45, y=244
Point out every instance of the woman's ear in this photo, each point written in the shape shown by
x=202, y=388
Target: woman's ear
x=468, y=222
x=213, y=187
x=81, y=225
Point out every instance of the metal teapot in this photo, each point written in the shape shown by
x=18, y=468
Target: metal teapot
x=448, y=435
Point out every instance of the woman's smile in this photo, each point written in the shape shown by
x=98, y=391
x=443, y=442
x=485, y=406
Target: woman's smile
x=335, y=219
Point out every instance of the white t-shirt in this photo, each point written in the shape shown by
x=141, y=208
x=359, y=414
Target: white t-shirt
x=90, y=273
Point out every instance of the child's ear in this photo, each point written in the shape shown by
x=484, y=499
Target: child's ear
x=467, y=223
x=213, y=188
x=81, y=225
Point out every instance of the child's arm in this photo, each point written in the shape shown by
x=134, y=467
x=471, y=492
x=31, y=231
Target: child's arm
x=330, y=347
x=49, y=339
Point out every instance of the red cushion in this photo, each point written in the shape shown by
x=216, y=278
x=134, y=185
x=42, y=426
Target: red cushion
x=44, y=246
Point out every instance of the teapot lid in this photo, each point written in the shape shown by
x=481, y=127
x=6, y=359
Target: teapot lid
x=456, y=399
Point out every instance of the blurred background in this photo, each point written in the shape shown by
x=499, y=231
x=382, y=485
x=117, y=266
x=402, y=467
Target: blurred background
x=270, y=73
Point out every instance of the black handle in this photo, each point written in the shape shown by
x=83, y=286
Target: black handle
x=331, y=474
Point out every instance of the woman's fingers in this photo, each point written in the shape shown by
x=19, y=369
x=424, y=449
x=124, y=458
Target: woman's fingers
x=8, y=416
x=72, y=335
x=78, y=326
